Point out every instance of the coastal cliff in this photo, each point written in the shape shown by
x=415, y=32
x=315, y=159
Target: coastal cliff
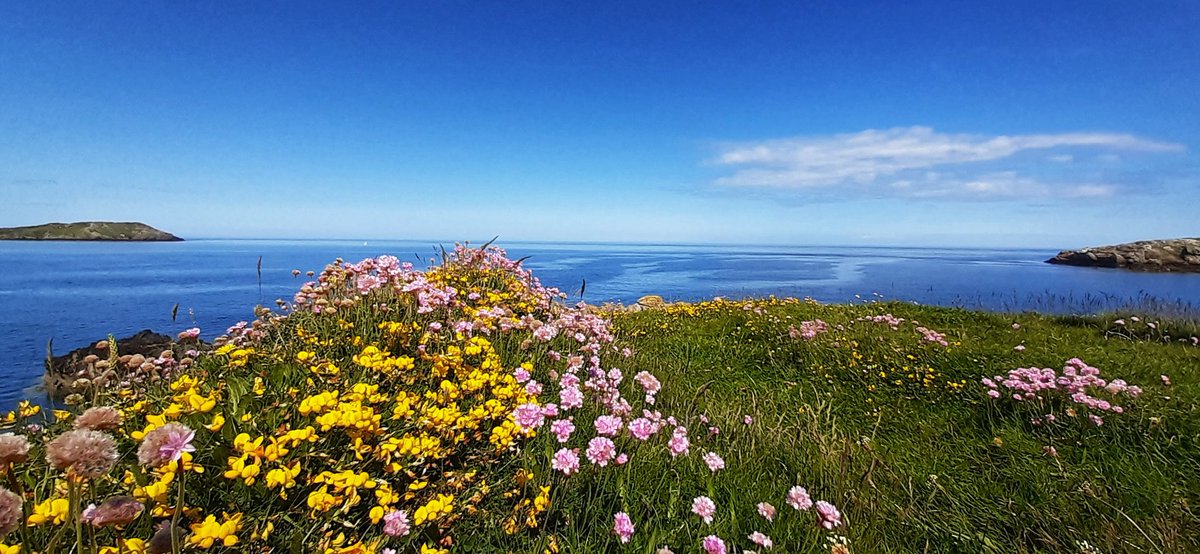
x=88, y=230
x=1176, y=255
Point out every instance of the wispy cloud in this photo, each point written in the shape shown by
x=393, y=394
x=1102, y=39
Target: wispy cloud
x=921, y=162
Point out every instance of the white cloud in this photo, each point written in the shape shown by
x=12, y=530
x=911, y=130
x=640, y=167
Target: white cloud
x=917, y=161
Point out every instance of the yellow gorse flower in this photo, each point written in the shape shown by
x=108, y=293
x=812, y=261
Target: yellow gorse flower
x=208, y=532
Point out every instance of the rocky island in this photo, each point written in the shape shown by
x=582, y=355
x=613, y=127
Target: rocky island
x=1176, y=255
x=88, y=230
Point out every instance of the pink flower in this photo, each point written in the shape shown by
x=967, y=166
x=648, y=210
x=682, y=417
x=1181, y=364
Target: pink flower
x=678, y=445
x=608, y=425
x=766, y=510
x=1050, y=451
x=528, y=416
x=829, y=514
x=601, y=450
x=562, y=429
x=1165, y=380
x=704, y=507
x=642, y=428
x=395, y=523
x=571, y=397
x=714, y=461
x=1019, y=348
x=797, y=497
x=622, y=459
x=533, y=388
x=761, y=540
x=747, y=420
x=1016, y=326
x=712, y=544
x=521, y=374
x=566, y=460
x=622, y=526
x=648, y=382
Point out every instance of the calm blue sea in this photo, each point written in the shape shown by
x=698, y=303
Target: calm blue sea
x=76, y=293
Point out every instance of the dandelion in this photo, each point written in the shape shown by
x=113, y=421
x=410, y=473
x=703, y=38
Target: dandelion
x=14, y=449
x=622, y=527
x=165, y=444
x=102, y=418
x=83, y=452
x=714, y=462
x=704, y=507
x=761, y=540
x=713, y=544
x=797, y=497
x=395, y=523
x=766, y=510
x=566, y=460
x=601, y=450
x=829, y=515
x=10, y=511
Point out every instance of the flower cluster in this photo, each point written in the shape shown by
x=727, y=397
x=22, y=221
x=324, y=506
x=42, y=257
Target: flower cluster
x=1078, y=387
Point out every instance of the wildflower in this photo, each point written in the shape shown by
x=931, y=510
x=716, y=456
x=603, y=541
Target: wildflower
x=83, y=452
x=714, y=461
x=10, y=511
x=165, y=444
x=395, y=523
x=829, y=514
x=1050, y=451
x=570, y=397
x=761, y=540
x=642, y=428
x=608, y=425
x=704, y=507
x=622, y=459
x=117, y=510
x=713, y=544
x=1019, y=348
x=1166, y=381
x=747, y=420
x=562, y=429
x=678, y=445
x=766, y=510
x=601, y=450
x=528, y=417
x=209, y=532
x=797, y=497
x=101, y=418
x=623, y=527
x=1016, y=326
x=566, y=460
x=14, y=449
x=52, y=510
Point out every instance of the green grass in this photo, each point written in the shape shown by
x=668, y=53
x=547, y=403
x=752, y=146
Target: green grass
x=914, y=468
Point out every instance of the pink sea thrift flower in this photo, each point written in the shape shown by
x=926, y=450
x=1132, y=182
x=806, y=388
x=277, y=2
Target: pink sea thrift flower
x=395, y=523
x=714, y=462
x=608, y=425
x=761, y=540
x=1165, y=380
x=704, y=507
x=713, y=544
x=566, y=460
x=766, y=510
x=601, y=450
x=829, y=514
x=1019, y=348
x=622, y=459
x=679, y=444
x=1016, y=326
x=642, y=428
x=797, y=497
x=622, y=527
x=570, y=397
x=528, y=416
x=747, y=420
x=562, y=429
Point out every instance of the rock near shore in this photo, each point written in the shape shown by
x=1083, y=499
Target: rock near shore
x=88, y=230
x=1173, y=255
x=145, y=355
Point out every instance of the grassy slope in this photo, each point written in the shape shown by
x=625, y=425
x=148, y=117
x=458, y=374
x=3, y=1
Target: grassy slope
x=91, y=230
x=915, y=468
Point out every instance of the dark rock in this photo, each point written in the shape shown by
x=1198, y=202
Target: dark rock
x=1171, y=255
x=145, y=354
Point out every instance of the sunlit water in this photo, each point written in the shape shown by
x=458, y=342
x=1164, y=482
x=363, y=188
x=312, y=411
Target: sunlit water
x=76, y=293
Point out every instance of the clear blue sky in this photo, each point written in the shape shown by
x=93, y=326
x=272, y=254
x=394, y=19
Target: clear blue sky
x=914, y=123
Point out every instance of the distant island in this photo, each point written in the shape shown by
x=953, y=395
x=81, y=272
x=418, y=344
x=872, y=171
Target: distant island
x=88, y=230
x=1180, y=255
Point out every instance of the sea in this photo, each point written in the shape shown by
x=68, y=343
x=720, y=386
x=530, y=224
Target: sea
x=70, y=294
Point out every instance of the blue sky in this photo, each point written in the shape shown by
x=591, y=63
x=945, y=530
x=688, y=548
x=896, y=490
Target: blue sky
x=1052, y=124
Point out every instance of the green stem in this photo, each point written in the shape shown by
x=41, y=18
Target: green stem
x=175, y=546
x=15, y=486
x=76, y=513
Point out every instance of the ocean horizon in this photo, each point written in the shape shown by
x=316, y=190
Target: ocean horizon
x=74, y=293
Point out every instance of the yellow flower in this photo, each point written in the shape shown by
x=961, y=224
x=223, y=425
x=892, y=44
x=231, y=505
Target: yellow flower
x=208, y=532
x=54, y=510
x=321, y=501
x=434, y=509
x=132, y=546
x=218, y=422
x=284, y=477
x=427, y=549
x=6, y=549
x=25, y=409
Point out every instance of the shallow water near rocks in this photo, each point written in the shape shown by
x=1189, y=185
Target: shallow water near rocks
x=76, y=293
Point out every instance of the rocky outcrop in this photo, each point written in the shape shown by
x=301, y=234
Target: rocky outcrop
x=88, y=230
x=144, y=355
x=1180, y=255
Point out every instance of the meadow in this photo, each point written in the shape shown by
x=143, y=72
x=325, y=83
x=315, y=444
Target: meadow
x=468, y=408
